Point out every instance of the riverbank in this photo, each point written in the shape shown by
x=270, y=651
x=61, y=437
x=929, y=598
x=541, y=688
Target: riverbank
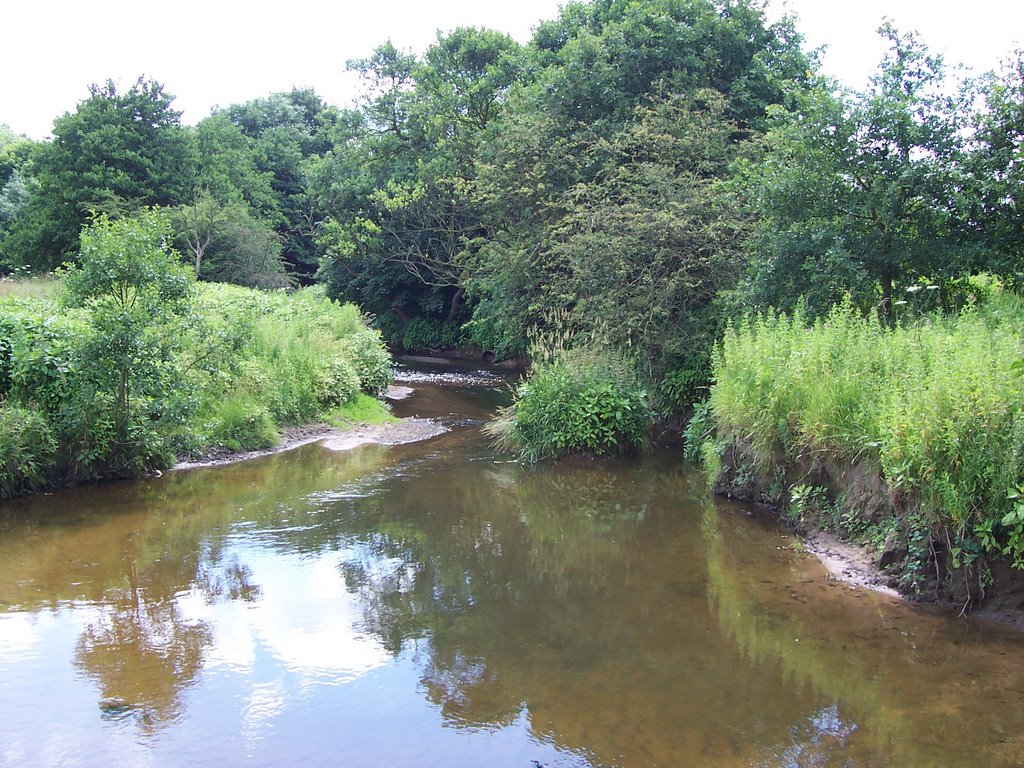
x=84, y=398
x=861, y=566
x=905, y=439
x=410, y=430
x=396, y=432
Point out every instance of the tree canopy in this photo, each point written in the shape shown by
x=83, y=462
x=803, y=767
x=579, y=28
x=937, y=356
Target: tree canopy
x=116, y=152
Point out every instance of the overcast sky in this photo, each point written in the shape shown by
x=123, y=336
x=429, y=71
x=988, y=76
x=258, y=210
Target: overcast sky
x=219, y=52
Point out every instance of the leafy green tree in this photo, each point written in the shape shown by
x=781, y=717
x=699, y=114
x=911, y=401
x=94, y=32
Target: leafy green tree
x=555, y=174
x=997, y=170
x=289, y=133
x=117, y=150
x=858, y=194
x=402, y=186
x=226, y=243
x=136, y=290
x=228, y=167
x=15, y=182
x=640, y=252
x=246, y=251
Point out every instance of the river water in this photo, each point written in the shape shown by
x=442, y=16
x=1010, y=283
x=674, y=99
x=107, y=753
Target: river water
x=435, y=604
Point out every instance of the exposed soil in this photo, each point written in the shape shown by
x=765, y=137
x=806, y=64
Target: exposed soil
x=333, y=438
x=859, y=491
x=848, y=562
x=409, y=430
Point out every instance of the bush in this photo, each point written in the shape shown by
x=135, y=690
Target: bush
x=123, y=385
x=371, y=360
x=585, y=400
x=240, y=423
x=27, y=450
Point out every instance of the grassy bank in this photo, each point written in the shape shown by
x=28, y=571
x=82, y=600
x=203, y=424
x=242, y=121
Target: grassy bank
x=89, y=390
x=933, y=408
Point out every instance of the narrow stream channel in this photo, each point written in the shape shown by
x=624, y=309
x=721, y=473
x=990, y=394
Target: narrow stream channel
x=435, y=604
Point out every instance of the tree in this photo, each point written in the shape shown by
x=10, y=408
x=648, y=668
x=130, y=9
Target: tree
x=640, y=252
x=136, y=289
x=549, y=161
x=196, y=224
x=125, y=150
x=997, y=170
x=15, y=183
x=229, y=167
x=289, y=133
x=228, y=244
x=858, y=193
x=402, y=183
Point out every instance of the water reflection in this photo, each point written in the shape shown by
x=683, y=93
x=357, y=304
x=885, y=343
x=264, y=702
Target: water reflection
x=434, y=604
x=143, y=654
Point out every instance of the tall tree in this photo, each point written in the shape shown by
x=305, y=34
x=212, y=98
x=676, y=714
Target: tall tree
x=416, y=148
x=15, y=183
x=598, y=68
x=858, y=193
x=290, y=132
x=115, y=151
x=997, y=170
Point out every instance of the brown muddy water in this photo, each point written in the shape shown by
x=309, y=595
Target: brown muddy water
x=435, y=604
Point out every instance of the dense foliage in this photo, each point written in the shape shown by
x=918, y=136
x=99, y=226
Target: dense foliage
x=583, y=400
x=130, y=362
x=934, y=407
x=645, y=171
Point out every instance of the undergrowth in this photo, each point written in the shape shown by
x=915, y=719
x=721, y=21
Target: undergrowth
x=580, y=397
x=936, y=405
x=227, y=370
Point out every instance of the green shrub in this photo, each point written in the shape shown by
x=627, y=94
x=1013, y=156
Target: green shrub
x=122, y=386
x=371, y=360
x=698, y=431
x=241, y=423
x=584, y=400
x=337, y=382
x=27, y=450
x=422, y=334
x=685, y=382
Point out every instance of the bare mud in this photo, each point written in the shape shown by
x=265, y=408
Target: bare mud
x=399, y=432
x=848, y=563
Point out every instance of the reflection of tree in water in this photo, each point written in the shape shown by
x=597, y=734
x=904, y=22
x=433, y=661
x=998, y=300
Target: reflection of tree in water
x=135, y=549
x=143, y=651
x=563, y=592
x=495, y=540
x=144, y=655
x=219, y=578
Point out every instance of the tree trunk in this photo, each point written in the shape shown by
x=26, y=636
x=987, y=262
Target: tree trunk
x=456, y=304
x=887, y=295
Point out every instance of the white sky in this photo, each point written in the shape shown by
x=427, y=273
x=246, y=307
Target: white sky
x=219, y=52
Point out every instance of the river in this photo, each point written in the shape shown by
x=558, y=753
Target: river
x=436, y=604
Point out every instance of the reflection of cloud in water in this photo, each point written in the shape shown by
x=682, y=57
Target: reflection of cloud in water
x=264, y=702
x=19, y=634
x=305, y=618
x=819, y=741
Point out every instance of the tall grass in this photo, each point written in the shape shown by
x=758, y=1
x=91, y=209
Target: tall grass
x=27, y=287
x=936, y=404
x=295, y=356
